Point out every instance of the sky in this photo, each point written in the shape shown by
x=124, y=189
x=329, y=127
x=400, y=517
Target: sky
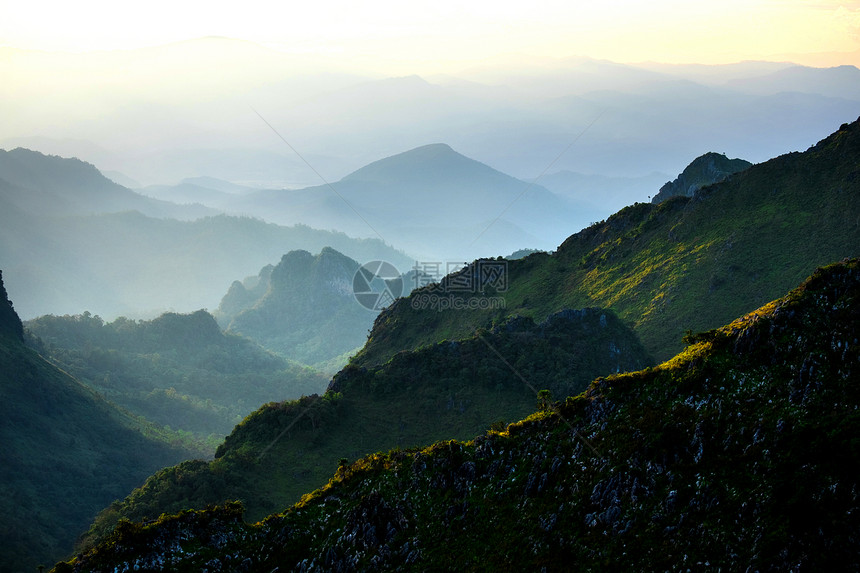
x=439, y=35
x=139, y=87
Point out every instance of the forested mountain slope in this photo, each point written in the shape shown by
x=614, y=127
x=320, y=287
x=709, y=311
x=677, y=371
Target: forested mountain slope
x=66, y=452
x=738, y=453
x=453, y=389
x=177, y=370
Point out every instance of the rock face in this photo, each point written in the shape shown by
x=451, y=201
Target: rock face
x=302, y=308
x=243, y=295
x=704, y=170
x=10, y=323
x=738, y=454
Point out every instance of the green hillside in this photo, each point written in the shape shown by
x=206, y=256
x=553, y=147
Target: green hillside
x=66, y=453
x=663, y=270
x=178, y=370
x=740, y=453
x=684, y=264
x=453, y=389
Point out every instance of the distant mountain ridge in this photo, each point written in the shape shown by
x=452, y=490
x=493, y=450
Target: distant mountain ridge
x=598, y=196
x=835, y=82
x=430, y=201
x=502, y=113
x=428, y=166
x=706, y=169
x=122, y=254
x=50, y=185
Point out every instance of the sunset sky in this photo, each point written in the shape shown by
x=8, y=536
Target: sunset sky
x=427, y=37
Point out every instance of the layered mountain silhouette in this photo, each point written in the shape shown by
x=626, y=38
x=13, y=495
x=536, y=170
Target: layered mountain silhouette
x=834, y=82
x=209, y=191
x=515, y=115
x=54, y=186
x=688, y=263
x=431, y=201
x=62, y=218
x=598, y=196
x=661, y=269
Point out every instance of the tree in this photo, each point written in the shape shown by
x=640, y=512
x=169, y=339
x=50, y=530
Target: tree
x=544, y=400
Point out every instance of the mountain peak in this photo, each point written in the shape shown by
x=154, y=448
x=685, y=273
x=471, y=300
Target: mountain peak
x=51, y=169
x=298, y=267
x=313, y=294
x=435, y=161
x=704, y=170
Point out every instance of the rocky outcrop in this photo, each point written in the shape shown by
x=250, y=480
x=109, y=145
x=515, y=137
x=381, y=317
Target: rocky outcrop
x=705, y=170
x=10, y=323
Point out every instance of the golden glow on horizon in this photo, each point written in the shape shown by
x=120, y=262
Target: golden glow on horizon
x=426, y=37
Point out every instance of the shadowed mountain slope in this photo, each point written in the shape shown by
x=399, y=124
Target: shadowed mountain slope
x=66, y=452
x=450, y=389
x=738, y=453
x=177, y=370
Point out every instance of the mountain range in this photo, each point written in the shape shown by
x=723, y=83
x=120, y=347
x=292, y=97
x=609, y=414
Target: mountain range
x=430, y=201
x=452, y=389
x=645, y=394
x=739, y=452
x=428, y=374
x=61, y=217
x=526, y=117
x=54, y=186
x=688, y=263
